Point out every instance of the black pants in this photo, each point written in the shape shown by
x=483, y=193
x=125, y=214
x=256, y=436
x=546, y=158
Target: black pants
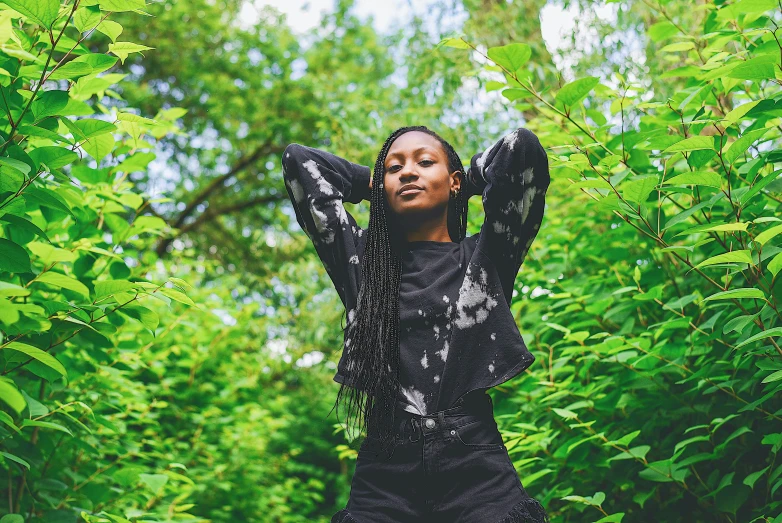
x=449, y=466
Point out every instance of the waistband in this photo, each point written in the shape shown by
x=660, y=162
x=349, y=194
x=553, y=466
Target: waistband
x=476, y=404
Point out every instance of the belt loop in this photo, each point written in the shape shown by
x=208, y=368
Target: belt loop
x=416, y=429
x=441, y=417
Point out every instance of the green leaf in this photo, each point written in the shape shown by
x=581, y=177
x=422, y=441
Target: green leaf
x=154, y=481
x=16, y=164
x=58, y=279
x=9, y=421
x=638, y=452
x=110, y=287
x=626, y=439
x=736, y=114
x=741, y=145
x=612, y=518
x=742, y=256
x=45, y=425
x=12, y=518
x=53, y=157
x=49, y=254
x=767, y=180
x=575, y=91
x=42, y=12
x=49, y=103
x=776, y=376
x=110, y=28
x=706, y=178
x=13, y=257
x=86, y=18
x=176, y=295
x=765, y=236
x=99, y=146
x=755, y=69
x=40, y=355
x=677, y=47
x=662, y=472
x=691, y=144
x=15, y=459
x=736, y=294
x=662, y=31
x=457, y=43
x=751, y=479
x=638, y=190
x=775, y=265
x=123, y=49
x=776, y=331
x=512, y=56
x=11, y=395
x=732, y=11
x=121, y=5
x=567, y=414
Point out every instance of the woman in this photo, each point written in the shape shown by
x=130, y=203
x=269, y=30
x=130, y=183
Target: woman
x=429, y=327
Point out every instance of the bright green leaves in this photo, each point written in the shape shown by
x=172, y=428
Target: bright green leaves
x=740, y=146
x=638, y=190
x=457, y=43
x=745, y=7
x=123, y=49
x=41, y=12
x=10, y=395
x=49, y=103
x=86, y=18
x=691, y=144
x=575, y=91
x=758, y=68
x=38, y=354
x=738, y=256
x=512, y=57
x=59, y=280
x=121, y=5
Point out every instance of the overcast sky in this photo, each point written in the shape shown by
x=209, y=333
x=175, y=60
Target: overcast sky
x=303, y=15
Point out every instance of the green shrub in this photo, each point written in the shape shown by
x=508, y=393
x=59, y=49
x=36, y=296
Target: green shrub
x=653, y=294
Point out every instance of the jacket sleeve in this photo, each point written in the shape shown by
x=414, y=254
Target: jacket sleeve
x=513, y=177
x=317, y=183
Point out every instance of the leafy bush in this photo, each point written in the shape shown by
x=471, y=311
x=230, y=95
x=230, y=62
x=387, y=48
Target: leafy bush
x=77, y=313
x=653, y=291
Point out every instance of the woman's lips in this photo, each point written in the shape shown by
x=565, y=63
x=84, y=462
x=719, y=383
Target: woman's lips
x=411, y=190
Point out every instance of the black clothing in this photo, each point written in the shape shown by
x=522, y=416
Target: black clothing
x=456, y=331
x=449, y=467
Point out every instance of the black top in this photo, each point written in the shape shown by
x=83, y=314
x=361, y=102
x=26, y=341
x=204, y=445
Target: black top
x=456, y=331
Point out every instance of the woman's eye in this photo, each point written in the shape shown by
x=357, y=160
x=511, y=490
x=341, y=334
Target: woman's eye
x=393, y=168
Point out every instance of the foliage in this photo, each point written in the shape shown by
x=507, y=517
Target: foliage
x=77, y=311
x=653, y=299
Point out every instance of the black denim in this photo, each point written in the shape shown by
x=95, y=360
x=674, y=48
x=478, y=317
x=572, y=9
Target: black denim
x=449, y=466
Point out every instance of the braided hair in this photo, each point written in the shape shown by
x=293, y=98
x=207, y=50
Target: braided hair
x=372, y=343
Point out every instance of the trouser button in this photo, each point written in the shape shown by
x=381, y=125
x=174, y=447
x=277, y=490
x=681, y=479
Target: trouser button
x=430, y=423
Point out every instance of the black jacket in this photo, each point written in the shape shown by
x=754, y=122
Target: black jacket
x=486, y=347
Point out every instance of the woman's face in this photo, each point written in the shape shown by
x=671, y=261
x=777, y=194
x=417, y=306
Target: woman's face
x=417, y=159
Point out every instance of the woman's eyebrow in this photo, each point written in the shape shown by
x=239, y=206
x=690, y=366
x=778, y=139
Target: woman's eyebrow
x=414, y=152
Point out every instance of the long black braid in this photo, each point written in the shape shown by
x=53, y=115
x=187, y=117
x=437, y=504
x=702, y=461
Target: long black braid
x=372, y=343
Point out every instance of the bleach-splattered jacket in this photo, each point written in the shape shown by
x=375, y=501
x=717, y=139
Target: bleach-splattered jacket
x=465, y=299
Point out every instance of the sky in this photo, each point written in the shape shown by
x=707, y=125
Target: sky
x=304, y=15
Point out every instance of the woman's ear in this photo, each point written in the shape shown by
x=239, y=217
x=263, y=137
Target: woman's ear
x=456, y=180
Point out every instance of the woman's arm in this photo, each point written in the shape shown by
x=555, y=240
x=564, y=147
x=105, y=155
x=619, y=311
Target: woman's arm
x=513, y=176
x=317, y=183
